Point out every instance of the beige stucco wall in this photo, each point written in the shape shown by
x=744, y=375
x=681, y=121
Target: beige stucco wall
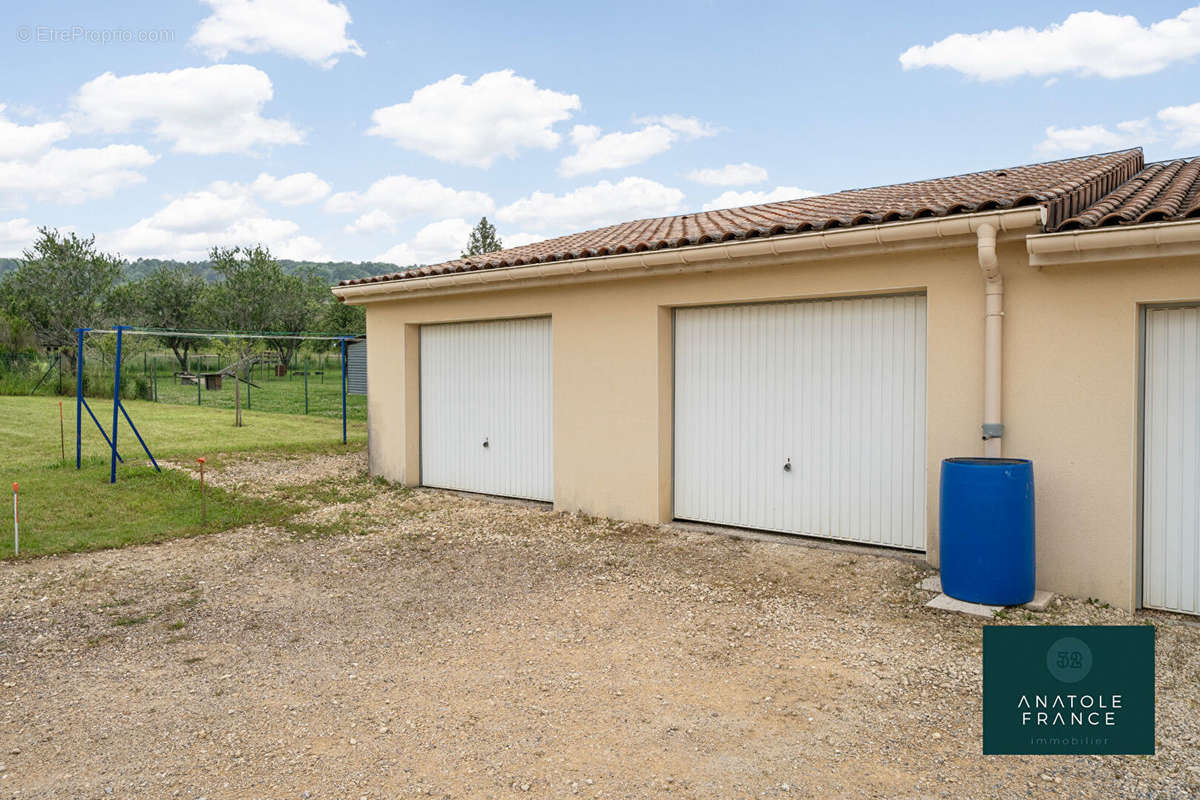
x=1071, y=363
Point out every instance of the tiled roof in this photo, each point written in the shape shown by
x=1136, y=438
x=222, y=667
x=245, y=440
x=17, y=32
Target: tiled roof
x=1166, y=191
x=1064, y=187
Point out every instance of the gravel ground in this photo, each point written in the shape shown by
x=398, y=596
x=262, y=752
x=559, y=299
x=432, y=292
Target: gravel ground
x=396, y=643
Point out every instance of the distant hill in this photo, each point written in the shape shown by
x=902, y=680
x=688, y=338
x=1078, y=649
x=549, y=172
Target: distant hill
x=330, y=271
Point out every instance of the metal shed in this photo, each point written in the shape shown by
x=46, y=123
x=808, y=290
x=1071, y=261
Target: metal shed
x=356, y=367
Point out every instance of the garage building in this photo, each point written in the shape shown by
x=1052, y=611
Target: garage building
x=803, y=367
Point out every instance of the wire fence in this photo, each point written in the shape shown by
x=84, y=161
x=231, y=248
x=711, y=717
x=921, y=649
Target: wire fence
x=309, y=384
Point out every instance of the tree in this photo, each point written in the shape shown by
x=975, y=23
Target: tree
x=242, y=300
x=298, y=304
x=168, y=297
x=244, y=295
x=483, y=239
x=340, y=317
x=61, y=284
x=255, y=295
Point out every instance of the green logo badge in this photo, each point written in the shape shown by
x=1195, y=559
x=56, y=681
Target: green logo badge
x=1058, y=689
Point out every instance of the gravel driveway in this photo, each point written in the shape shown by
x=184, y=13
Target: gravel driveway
x=392, y=643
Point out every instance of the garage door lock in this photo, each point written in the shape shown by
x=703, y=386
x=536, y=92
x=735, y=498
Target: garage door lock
x=485, y=442
x=787, y=467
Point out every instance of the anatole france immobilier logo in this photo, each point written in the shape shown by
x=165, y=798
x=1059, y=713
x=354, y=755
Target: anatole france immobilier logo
x=1058, y=689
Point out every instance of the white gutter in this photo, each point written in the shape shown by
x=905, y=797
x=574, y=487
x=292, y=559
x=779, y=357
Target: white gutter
x=1152, y=239
x=993, y=342
x=839, y=242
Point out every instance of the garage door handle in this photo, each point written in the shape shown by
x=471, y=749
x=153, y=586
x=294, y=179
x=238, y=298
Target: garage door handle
x=485, y=442
x=787, y=467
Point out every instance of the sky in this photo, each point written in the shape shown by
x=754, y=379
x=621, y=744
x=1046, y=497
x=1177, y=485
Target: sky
x=383, y=131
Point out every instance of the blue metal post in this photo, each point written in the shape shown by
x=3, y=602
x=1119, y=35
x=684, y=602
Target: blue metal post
x=79, y=398
x=343, y=391
x=112, y=474
x=141, y=441
x=100, y=428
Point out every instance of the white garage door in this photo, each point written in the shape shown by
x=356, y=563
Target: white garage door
x=804, y=418
x=1171, y=470
x=486, y=420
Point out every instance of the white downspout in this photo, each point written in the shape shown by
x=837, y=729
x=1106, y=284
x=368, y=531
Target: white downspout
x=993, y=342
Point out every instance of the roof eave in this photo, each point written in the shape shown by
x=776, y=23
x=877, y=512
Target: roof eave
x=1117, y=243
x=862, y=239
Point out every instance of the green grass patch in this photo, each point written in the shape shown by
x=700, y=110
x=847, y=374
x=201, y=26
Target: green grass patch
x=69, y=510
x=29, y=431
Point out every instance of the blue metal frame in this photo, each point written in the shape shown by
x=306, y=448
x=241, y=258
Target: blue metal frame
x=343, y=342
x=112, y=476
x=139, y=438
x=119, y=409
x=79, y=399
x=100, y=428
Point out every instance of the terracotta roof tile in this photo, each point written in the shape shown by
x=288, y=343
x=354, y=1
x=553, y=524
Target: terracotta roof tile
x=1070, y=189
x=1166, y=191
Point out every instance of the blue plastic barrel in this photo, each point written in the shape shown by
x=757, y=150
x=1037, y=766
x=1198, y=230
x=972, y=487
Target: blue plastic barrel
x=987, y=530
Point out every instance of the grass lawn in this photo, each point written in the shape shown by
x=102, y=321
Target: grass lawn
x=66, y=510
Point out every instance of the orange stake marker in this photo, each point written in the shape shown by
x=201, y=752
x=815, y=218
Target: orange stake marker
x=16, y=524
x=62, y=436
x=203, y=503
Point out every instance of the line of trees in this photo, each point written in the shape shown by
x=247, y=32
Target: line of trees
x=63, y=282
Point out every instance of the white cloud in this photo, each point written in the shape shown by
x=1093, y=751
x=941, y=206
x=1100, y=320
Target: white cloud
x=436, y=242
x=203, y=110
x=1096, y=138
x=301, y=248
x=15, y=236
x=733, y=199
x=292, y=190
x=1184, y=122
x=312, y=30
x=224, y=215
x=500, y=114
x=202, y=212
x=62, y=175
x=405, y=196
x=1181, y=124
x=1086, y=43
x=28, y=141
x=594, y=152
x=614, y=150
x=690, y=127
x=604, y=203
x=730, y=175
x=372, y=222
x=521, y=238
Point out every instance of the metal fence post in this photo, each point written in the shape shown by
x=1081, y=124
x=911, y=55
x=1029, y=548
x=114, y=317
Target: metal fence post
x=112, y=475
x=343, y=391
x=79, y=398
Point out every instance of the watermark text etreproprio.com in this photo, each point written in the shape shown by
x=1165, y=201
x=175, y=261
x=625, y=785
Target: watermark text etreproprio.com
x=49, y=34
